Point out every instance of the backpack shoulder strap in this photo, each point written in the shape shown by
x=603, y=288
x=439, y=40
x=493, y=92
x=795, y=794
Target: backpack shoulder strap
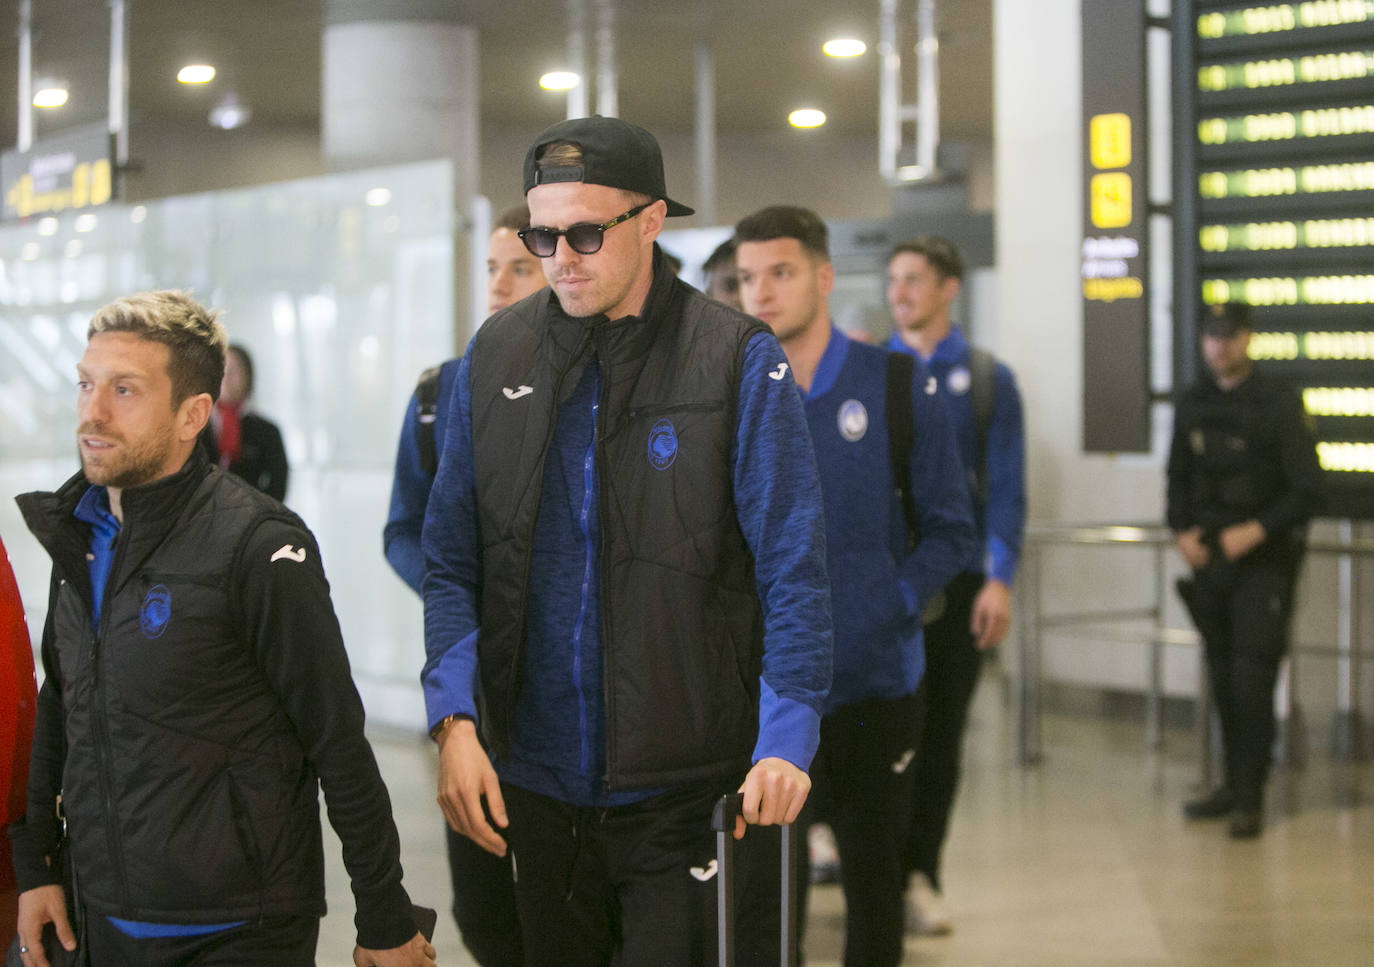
x=901, y=433
x=983, y=386
x=427, y=398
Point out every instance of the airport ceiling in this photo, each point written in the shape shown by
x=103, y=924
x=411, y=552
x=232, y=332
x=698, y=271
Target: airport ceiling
x=767, y=61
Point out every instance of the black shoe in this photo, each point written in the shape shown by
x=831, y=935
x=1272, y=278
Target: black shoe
x=1246, y=824
x=1215, y=806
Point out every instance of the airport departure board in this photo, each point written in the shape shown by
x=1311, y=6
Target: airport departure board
x=1283, y=206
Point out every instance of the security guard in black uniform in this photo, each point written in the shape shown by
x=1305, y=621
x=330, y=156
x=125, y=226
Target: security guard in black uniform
x=1243, y=482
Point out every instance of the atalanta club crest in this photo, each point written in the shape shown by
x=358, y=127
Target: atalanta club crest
x=853, y=420
x=662, y=445
x=156, y=611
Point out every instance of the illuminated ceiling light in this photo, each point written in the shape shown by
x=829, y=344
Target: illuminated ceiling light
x=47, y=226
x=229, y=113
x=50, y=93
x=137, y=214
x=559, y=81
x=30, y=251
x=196, y=74
x=806, y=117
x=844, y=47
x=377, y=197
x=85, y=222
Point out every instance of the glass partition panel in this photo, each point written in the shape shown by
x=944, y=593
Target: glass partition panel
x=341, y=287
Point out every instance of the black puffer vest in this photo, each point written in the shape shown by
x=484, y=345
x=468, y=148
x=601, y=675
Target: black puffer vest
x=201, y=808
x=682, y=631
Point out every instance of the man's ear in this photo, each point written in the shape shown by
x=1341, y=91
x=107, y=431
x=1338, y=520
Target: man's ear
x=951, y=285
x=192, y=415
x=825, y=277
x=652, y=219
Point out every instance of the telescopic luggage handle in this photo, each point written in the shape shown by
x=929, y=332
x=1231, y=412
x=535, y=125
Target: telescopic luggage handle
x=727, y=809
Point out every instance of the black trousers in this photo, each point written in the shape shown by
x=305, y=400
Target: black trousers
x=861, y=785
x=635, y=885
x=952, y=666
x=274, y=942
x=1242, y=610
x=484, y=903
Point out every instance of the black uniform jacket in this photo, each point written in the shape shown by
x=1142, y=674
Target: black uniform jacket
x=1244, y=453
x=189, y=733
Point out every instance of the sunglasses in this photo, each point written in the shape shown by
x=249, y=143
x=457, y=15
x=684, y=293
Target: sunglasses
x=584, y=238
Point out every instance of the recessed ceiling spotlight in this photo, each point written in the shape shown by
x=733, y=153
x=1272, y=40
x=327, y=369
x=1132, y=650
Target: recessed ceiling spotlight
x=85, y=222
x=47, y=225
x=377, y=197
x=806, y=117
x=229, y=113
x=559, y=81
x=50, y=93
x=844, y=47
x=196, y=74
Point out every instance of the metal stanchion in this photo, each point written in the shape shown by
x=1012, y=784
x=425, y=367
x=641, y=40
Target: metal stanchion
x=1154, y=703
x=1028, y=688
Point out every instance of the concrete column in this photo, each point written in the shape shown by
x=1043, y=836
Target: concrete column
x=400, y=83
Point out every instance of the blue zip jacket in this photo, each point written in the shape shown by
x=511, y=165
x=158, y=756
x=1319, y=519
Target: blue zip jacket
x=410, y=485
x=877, y=589
x=1002, y=519
x=558, y=740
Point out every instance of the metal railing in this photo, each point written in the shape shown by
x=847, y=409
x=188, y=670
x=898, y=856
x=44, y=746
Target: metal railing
x=1106, y=624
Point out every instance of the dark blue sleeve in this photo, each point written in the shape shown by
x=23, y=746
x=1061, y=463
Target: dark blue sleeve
x=1005, y=513
x=944, y=511
x=778, y=502
x=451, y=541
x=406, y=516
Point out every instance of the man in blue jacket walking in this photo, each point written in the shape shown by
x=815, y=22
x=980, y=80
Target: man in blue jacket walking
x=625, y=580
x=923, y=278
x=885, y=568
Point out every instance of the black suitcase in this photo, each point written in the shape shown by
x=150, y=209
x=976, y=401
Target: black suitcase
x=723, y=822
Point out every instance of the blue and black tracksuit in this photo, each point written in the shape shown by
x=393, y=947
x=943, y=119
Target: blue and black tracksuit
x=999, y=513
x=878, y=591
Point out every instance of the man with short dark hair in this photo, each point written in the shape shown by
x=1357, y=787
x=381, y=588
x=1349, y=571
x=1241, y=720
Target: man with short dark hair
x=483, y=894
x=924, y=276
x=863, y=409
x=197, y=692
x=718, y=272
x=625, y=583
x=1243, y=481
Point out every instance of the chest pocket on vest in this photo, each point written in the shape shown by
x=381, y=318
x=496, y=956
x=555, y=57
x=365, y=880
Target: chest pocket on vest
x=670, y=474
x=175, y=639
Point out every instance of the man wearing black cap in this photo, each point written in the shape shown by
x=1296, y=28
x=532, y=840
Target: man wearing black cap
x=626, y=586
x=1243, y=482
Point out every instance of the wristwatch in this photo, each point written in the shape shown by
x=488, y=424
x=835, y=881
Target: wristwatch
x=442, y=725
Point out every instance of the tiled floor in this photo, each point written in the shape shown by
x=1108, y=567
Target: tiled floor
x=1081, y=860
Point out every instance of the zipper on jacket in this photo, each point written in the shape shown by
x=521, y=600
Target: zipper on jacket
x=520, y=641
x=101, y=727
x=588, y=576
x=608, y=700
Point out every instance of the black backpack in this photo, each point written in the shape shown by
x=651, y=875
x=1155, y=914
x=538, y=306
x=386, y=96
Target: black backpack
x=901, y=435
x=427, y=396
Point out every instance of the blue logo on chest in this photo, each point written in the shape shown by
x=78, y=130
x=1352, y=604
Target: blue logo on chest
x=156, y=611
x=662, y=445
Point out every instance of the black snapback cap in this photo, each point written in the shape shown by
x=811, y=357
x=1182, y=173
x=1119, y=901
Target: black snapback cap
x=1225, y=319
x=615, y=153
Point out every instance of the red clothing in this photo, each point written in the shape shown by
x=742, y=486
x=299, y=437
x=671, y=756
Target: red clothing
x=18, y=696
